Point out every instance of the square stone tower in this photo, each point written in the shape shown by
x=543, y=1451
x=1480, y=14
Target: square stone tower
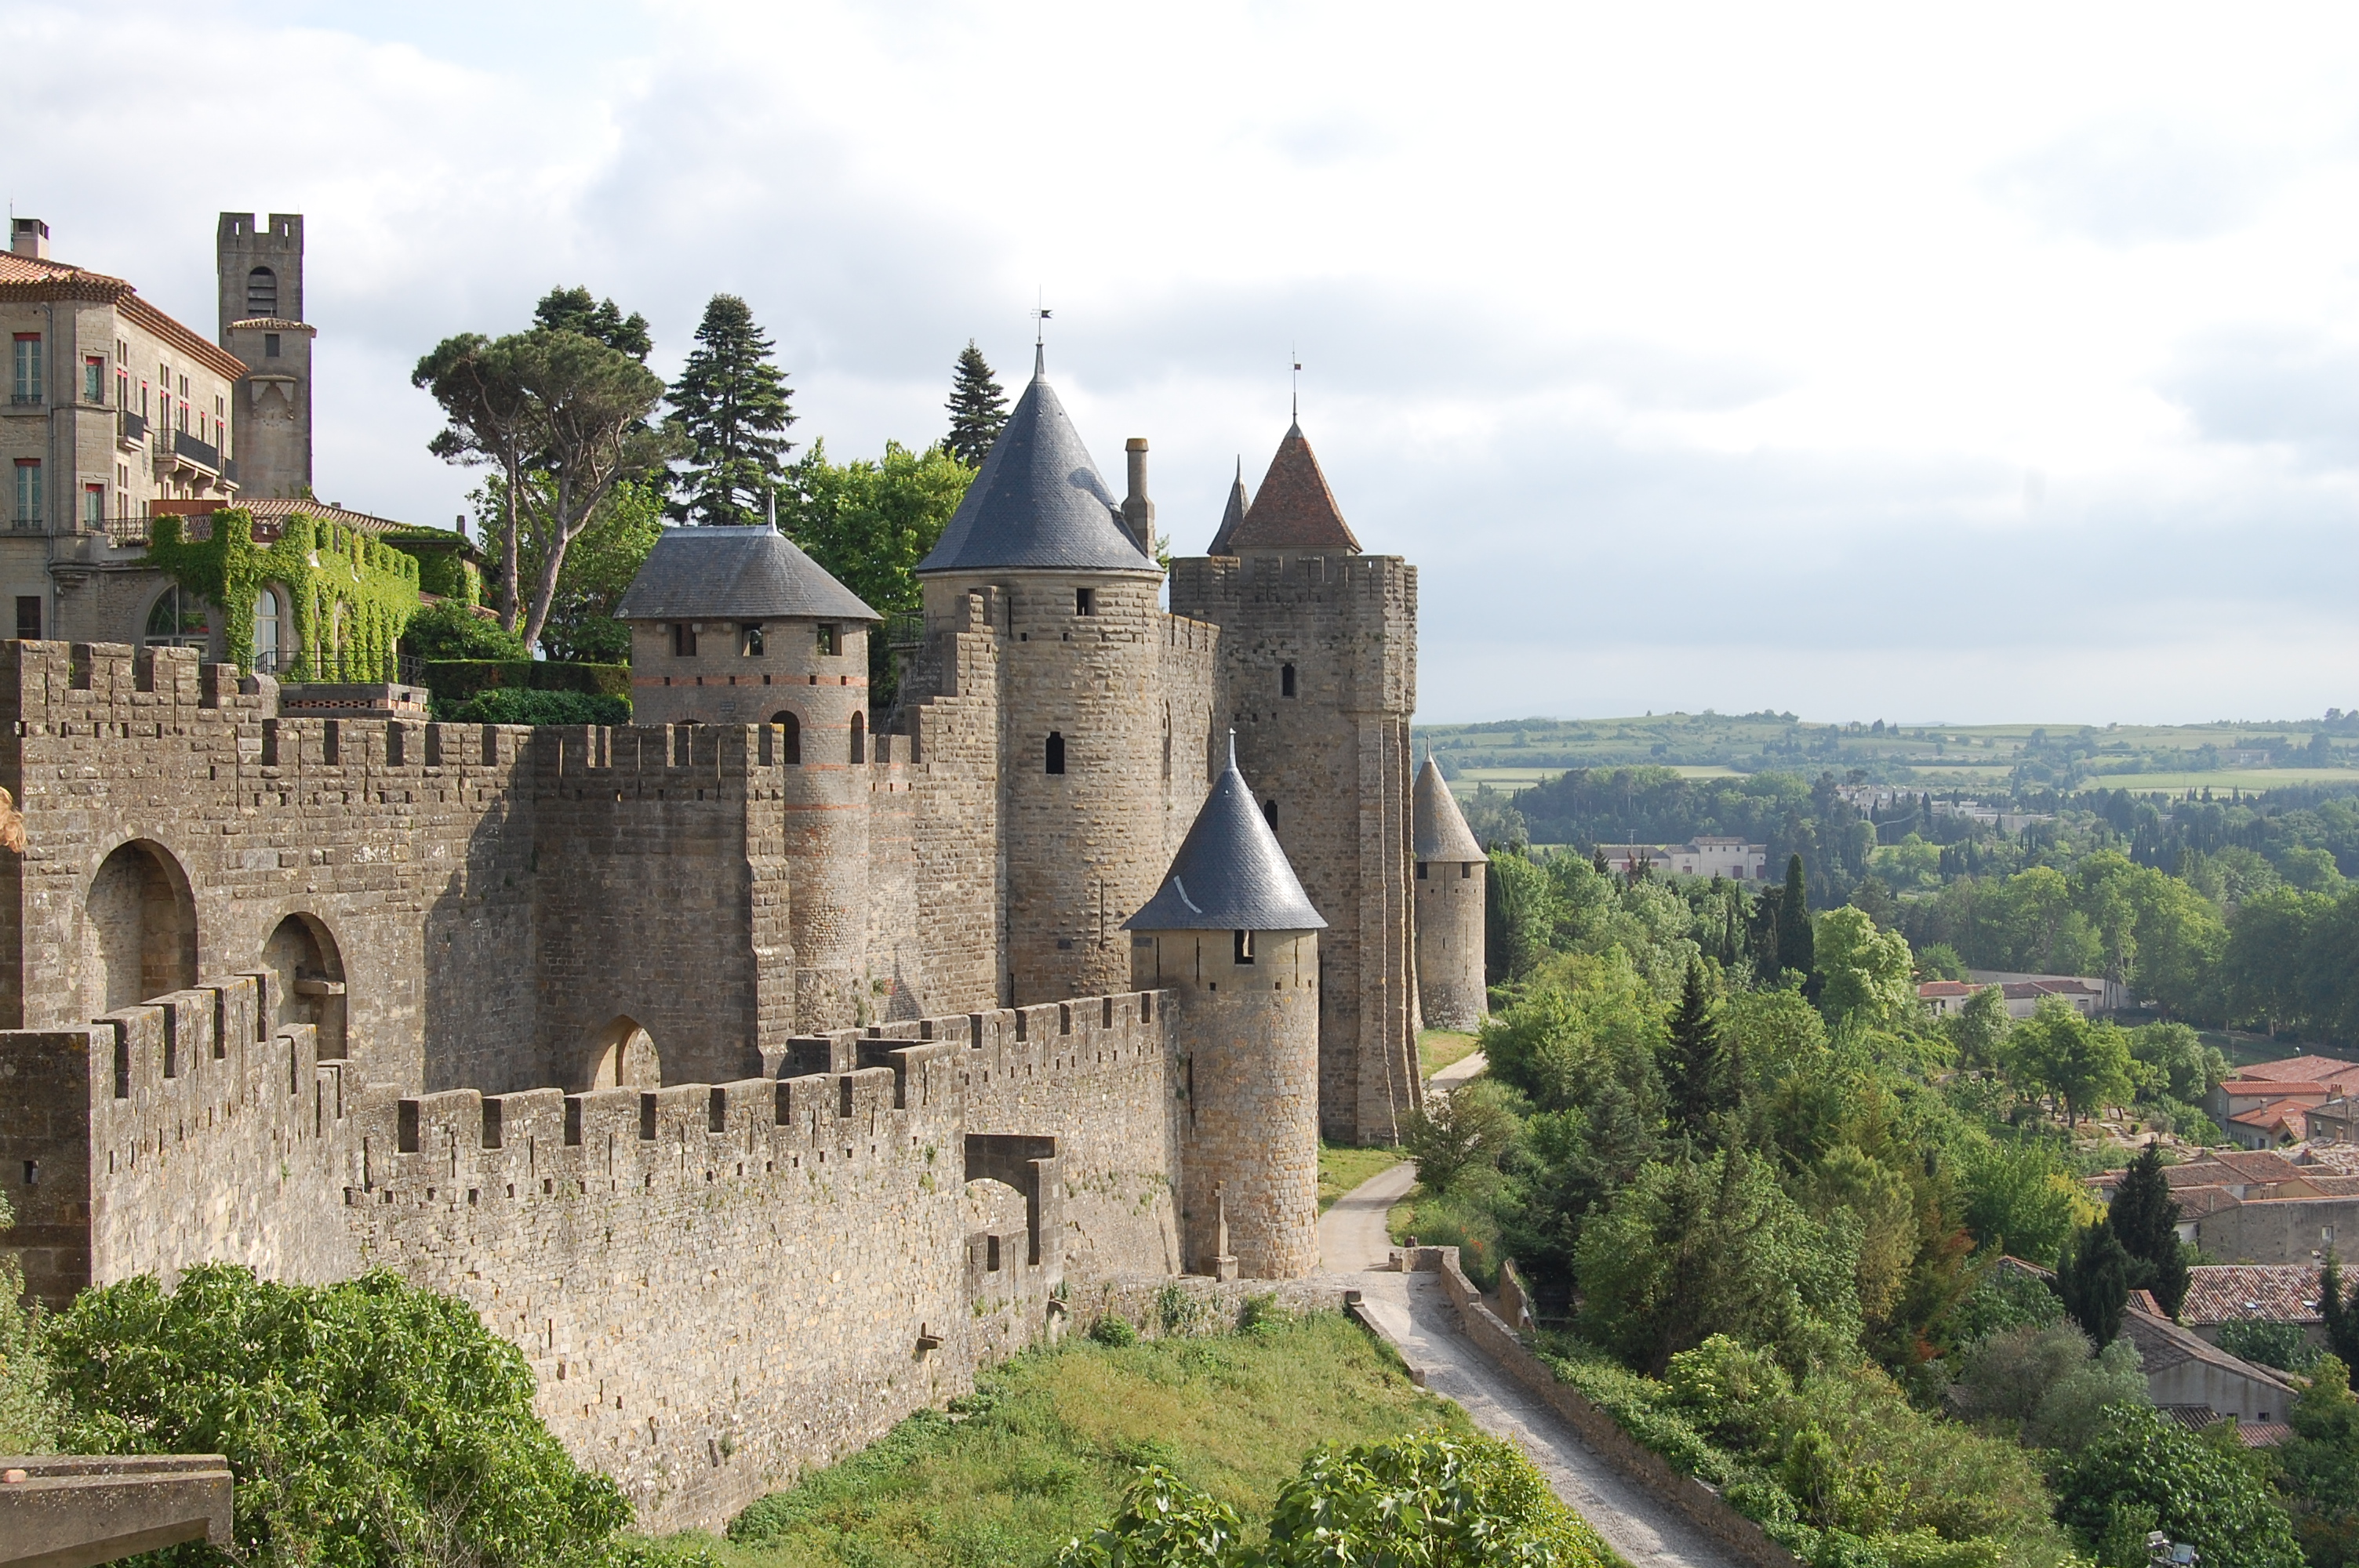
x=261, y=268
x=1318, y=672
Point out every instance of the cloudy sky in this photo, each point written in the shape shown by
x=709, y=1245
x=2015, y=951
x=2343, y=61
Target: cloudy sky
x=1873, y=361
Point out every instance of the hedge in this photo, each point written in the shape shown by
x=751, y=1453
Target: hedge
x=454, y=681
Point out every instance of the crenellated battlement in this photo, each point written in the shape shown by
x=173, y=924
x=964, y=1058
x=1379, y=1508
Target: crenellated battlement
x=1385, y=581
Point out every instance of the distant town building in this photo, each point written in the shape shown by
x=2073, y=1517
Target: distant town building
x=2273, y=1103
x=2088, y=994
x=1731, y=858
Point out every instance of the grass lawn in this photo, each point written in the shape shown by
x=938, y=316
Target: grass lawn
x=1437, y=1048
x=1052, y=1438
x=1341, y=1167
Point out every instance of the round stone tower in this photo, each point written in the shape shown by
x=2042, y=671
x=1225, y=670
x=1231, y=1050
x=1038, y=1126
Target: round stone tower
x=739, y=626
x=1235, y=940
x=1080, y=775
x=1451, y=871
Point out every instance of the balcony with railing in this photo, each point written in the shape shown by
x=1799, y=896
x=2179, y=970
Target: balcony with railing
x=204, y=454
x=26, y=399
x=130, y=428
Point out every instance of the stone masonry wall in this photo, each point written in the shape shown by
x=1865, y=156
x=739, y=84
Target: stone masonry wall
x=718, y=1285
x=409, y=845
x=661, y=877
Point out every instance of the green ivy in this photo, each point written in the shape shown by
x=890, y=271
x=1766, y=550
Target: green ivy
x=334, y=577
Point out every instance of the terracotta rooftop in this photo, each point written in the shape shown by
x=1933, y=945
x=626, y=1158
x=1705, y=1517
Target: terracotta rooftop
x=1945, y=987
x=2277, y=1089
x=2268, y=1292
x=1294, y=510
x=2308, y=1069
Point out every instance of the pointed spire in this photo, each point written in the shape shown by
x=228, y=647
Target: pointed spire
x=1438, y=829
x=1233, y=517
x=1038, y=501
x=1230, y=874
x=1294, y=510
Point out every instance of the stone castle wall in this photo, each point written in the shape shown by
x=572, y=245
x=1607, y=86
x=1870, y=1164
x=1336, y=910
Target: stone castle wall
x=717, y=1284
x=1334, y=757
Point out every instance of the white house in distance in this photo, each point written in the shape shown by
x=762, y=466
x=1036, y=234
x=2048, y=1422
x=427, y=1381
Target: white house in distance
x=1731, y=858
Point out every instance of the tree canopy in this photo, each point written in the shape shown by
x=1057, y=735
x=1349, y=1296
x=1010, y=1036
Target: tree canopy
x=978, y=408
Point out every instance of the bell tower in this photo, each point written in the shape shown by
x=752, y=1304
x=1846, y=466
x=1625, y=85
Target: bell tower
x=260, y=273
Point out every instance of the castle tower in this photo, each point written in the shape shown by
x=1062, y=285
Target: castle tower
x=739, y=626
x=261, y=271
x=1450, y=876
x=1234, y=939
x=1318, y=673
x=1082, y=746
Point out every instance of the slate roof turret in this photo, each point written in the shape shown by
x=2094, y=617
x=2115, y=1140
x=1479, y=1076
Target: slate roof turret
x=735, y=574
x=1037, y=502
x=1234, y=518
x=1439, y=830
x=1294, y=510
x=1230, y=874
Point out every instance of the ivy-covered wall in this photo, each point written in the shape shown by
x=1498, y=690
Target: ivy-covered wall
x=349, y=596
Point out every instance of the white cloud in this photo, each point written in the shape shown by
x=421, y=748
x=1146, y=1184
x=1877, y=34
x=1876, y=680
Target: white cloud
x=1713, y=350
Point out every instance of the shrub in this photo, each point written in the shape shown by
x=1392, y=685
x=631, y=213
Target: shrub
x=1448, y=1502
x=2141, y=1473
x=367, y=1422
x=1114, y=1331
x=27, y=1415
x=449, y=629
x=2278, y=1345
x=504, y=706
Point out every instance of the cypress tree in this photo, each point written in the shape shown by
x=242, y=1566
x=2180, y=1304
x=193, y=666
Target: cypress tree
x=2093, y=1279
x=1796, y=950
x=1691, y=1057
x=2145, y=1218
x=732, y=403
x=978, y=408
x=2340, y=1308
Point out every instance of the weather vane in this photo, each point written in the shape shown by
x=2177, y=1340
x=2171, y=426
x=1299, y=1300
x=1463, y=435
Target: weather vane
x=1295, y=355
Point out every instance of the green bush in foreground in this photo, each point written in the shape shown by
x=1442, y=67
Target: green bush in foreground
x=368, y=1423
x=1430, y=1500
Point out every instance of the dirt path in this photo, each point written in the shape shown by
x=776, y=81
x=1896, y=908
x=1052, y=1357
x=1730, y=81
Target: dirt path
x=1352, y=1234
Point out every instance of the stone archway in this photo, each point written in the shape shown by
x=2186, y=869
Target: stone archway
x=623, y=1058
x=306, y=980
x=138, y=930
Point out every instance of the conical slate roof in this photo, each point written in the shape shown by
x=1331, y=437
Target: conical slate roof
x=1230, y=874
x=1234, y=518
x=1039, y=501
x=735, y=574
x=1294, y=510
x=1439, y=829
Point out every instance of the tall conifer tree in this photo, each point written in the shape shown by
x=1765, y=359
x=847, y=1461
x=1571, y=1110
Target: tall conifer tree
x=1695, y=1065
x=1796, y=950
x=978, y=408
x=2144, y=1216
x=2094, y=1280
x=732, y=403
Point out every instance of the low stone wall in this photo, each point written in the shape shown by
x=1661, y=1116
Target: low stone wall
x=1212, y=1306
x=1701, y=1504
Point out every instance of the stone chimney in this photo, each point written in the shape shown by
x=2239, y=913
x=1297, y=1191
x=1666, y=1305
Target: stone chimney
x=1138, y=511
x=30, y=237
